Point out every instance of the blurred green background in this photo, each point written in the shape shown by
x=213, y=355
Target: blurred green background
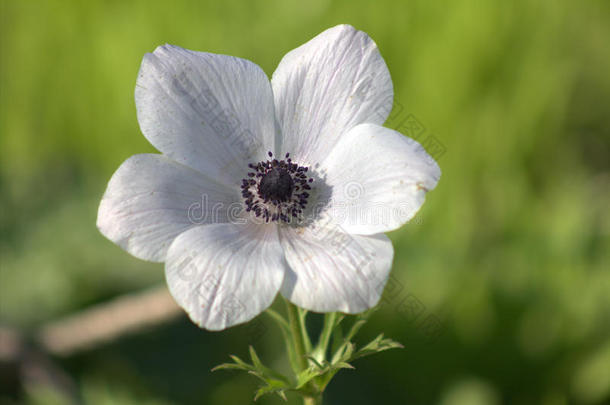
x=510, y=252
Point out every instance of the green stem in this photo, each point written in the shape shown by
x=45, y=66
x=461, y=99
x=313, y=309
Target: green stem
x=330, y=320
x=297, y=334
x=306, y=340
x=277, y=318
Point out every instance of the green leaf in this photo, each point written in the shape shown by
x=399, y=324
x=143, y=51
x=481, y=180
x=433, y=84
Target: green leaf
x=311, y=381
x=307, y=375
x=229, y=366
x=286, y=333
x=270, y=377
x=377, y=345
x=265, y=373
x=324, y=379
x=344, y=354
x=342, y=364
x=255, y=359
x=272, y=387
x=316, y=363
x=238, y=364
x=240, y=361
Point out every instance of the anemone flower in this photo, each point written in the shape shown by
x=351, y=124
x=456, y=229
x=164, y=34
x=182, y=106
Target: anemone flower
x=264, y=186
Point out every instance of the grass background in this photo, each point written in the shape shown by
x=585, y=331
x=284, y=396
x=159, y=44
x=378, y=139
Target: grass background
x=510, y=252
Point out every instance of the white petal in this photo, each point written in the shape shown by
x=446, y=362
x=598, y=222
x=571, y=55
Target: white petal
x=377, y=179
x=331, y=270
x=211, y=112
x=225, y=274
x=326, y=86
x=151, y=199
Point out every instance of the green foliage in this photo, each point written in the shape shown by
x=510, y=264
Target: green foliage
x=273, y=382
x=312, y=380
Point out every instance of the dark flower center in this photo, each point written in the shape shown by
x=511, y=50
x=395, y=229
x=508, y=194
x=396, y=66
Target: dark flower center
x=276, y=190
x=277, y=184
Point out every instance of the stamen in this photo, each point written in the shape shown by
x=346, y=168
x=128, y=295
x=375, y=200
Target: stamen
x=275, y=190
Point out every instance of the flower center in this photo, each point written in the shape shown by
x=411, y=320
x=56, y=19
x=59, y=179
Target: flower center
x=276, y=190
x=276, y=184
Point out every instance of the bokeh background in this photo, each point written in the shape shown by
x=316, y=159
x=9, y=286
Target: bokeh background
x=500, y=289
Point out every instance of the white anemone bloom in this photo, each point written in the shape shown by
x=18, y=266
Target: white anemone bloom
x=268, y=186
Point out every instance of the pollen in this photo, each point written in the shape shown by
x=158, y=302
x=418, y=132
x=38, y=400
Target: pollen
x=276, y=190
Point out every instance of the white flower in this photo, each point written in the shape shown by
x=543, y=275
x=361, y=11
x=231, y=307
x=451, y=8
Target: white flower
x=233, y=225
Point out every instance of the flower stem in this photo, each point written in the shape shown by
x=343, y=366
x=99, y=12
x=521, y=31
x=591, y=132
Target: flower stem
x=297, y=334
x=330, y=321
